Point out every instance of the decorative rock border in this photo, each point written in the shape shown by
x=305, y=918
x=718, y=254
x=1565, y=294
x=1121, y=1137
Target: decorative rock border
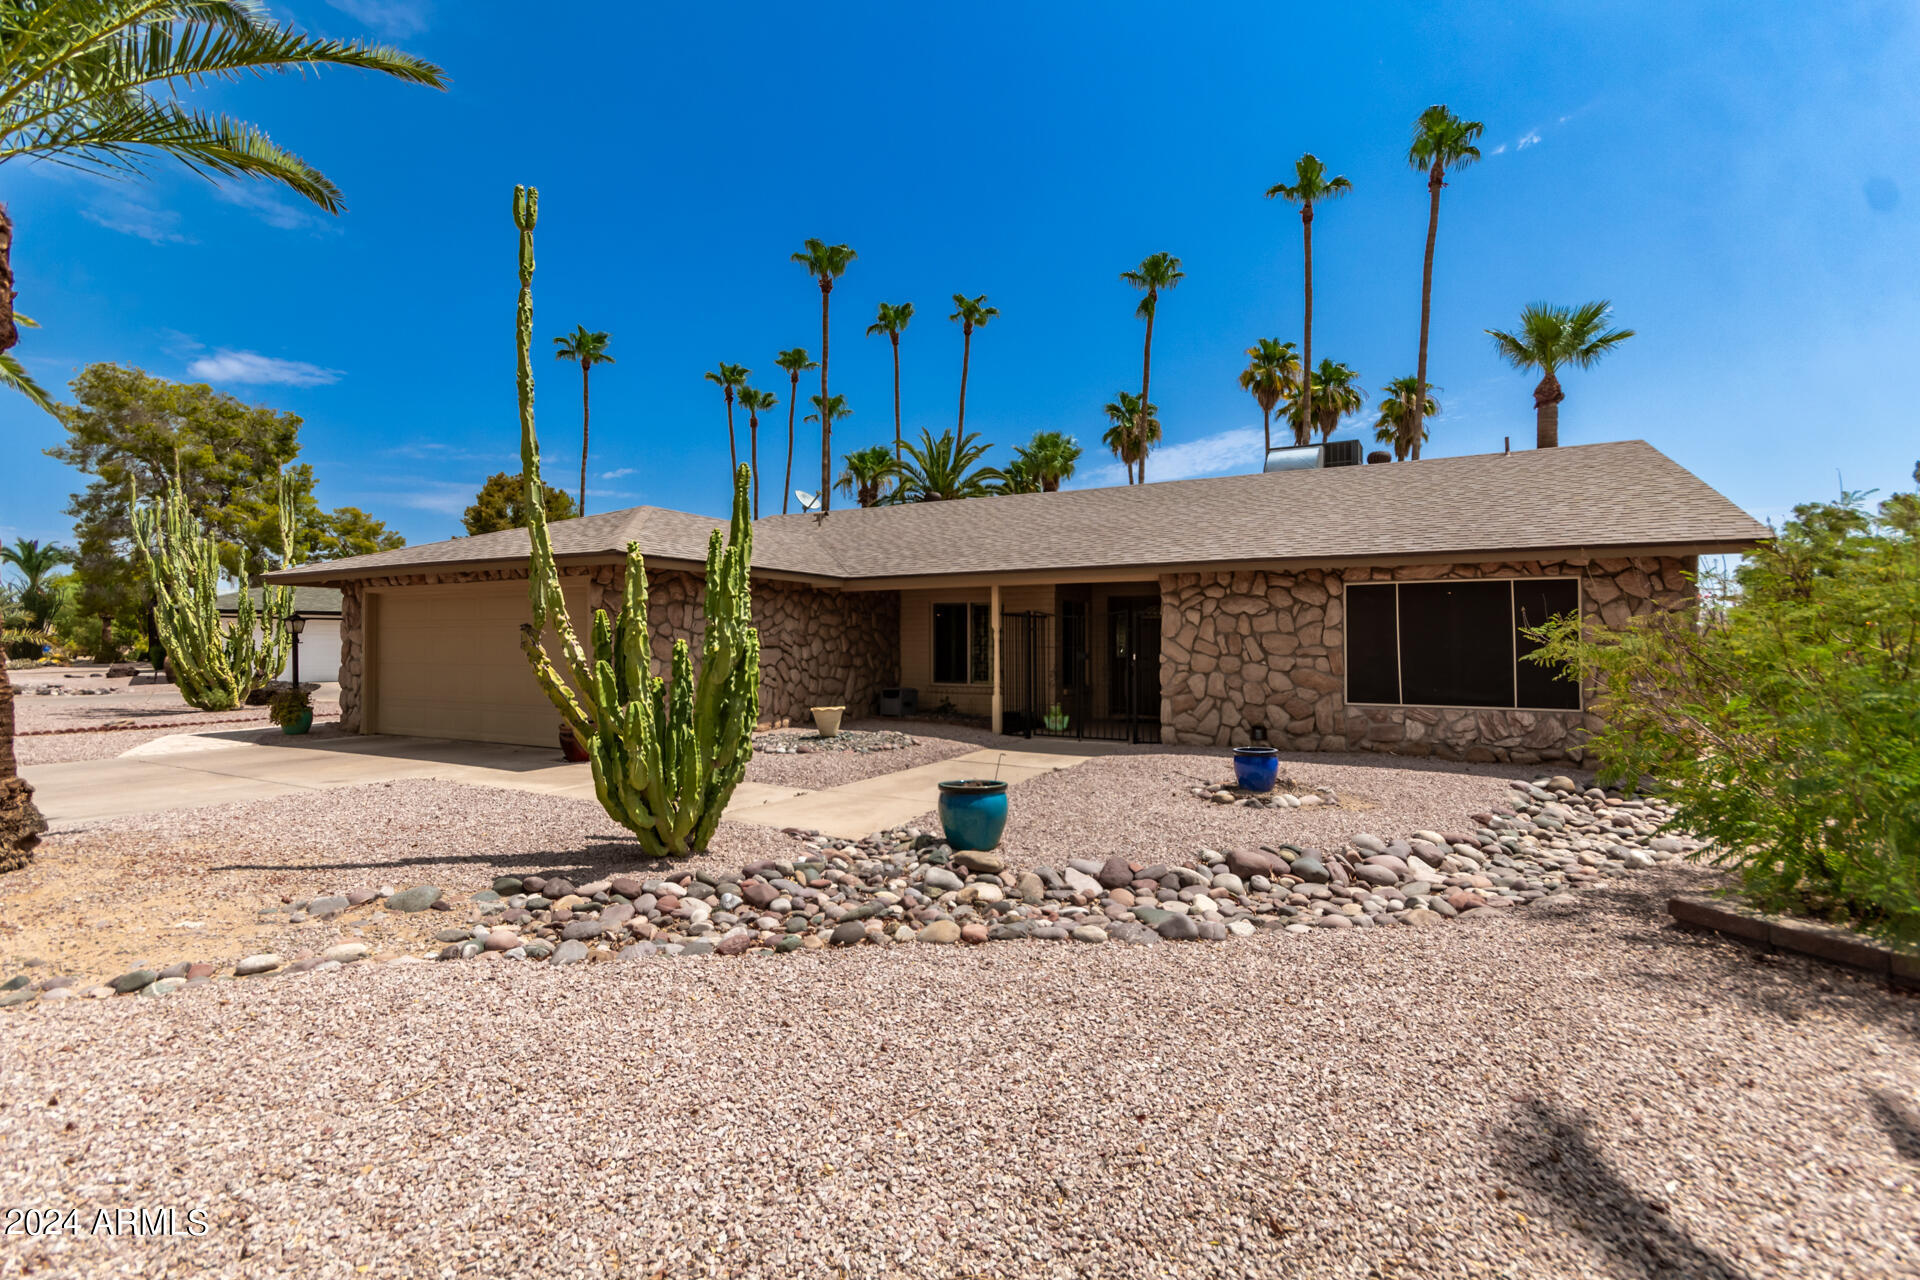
x=1807, y=937
x=862, y=741
x=1286, y=794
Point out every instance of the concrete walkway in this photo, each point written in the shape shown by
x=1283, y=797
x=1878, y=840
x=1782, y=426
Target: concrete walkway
x=193, y=770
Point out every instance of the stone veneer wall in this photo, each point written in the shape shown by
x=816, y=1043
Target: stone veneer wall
x=816, y=647
x=1239, y=649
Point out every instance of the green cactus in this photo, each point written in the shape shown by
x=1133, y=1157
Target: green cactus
x=215, y=664
x=666, y=754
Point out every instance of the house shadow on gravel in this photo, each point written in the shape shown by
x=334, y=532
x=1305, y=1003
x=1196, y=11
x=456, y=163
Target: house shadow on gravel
x=1899, y=1120
x=1550, y=1152
x=592, y=862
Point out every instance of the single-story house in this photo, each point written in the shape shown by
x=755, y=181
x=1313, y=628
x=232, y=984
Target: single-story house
x=319, y=638
x=1370, y=607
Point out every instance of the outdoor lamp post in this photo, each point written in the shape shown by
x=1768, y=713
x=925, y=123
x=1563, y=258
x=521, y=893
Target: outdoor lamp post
x=296, y=624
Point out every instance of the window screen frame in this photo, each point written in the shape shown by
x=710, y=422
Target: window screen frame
x=975, y=611
x=1513, y=633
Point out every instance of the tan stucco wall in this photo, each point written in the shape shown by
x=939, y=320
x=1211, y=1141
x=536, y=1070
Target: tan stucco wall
x=916, y=640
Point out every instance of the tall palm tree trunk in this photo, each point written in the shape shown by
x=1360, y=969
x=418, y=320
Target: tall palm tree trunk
x=20, y=822
x=1146, y=376
x=733, y=457
x=753, y=457
x=586, y=417
x=1434, y=183
x=1546, y=412
x=9, y=334
x=1266, y=428
x=966, y=354
x=1304, y=435
x=896, y=401
x=826, y=414
x=793, y=394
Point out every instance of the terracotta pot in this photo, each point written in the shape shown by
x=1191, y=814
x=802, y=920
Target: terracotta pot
x=570, y=746
x=827, y=720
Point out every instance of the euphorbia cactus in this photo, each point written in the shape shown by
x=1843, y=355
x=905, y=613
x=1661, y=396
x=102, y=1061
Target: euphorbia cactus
x=666, y=754
x=216, y=664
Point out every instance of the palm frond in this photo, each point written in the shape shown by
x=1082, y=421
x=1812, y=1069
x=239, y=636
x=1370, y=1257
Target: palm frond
x=14, y=376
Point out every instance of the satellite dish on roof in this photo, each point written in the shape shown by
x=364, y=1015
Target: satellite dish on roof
x=807, y=501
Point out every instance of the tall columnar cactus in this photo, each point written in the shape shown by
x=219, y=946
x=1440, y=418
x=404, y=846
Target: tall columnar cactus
x=666, y=754
x=216, y=664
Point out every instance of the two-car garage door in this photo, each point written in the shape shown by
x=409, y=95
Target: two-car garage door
x=446, y=663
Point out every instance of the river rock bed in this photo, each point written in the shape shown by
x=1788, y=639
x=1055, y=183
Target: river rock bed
x=860, y=740
x=1286, y=794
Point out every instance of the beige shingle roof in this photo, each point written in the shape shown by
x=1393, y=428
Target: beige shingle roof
x=1585, y=497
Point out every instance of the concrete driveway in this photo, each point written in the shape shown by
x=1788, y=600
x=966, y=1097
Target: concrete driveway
x=193, y=770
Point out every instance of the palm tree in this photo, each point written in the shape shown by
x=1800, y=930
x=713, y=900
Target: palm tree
x=1019, y=476
x=1310, y=185
x=1156, y=271
x=825, y=263
x=755, y=402
x=795, y=362
x=972, y=313
x=589, y=347
x=1550, y=337
x=34, y=563
x=95, y=84
x=1402, y=416
x=1052, y=457
x=836, y=410
x=730, y=378
x=892, y=319
x=1133, y=432
x=938, y=470
x=14, y=375
x=868, y=473
x=1333, y=392
x=1441, y=141
x=1272, y=375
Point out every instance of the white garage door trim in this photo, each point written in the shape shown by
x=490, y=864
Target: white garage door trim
x=445, y=662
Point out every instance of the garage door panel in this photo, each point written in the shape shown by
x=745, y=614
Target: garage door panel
x=448, y=664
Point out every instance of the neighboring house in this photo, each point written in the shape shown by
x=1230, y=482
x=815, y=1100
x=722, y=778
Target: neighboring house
x=319, y=640
x=1366, y=607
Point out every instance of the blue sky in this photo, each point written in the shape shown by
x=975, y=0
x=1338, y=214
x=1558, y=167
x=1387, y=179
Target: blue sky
x=1740, y=181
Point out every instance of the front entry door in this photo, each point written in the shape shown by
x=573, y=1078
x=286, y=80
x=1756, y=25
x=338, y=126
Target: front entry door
x=1133, y=664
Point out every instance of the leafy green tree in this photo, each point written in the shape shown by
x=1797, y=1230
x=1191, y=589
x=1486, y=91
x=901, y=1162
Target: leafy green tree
x=1272, y=375
x=892, y=321
x=755, y=403
x=1156, y=271
x=868, y=473
x=826, y=263
x=1550, y=338
x=96, y=84
x=1131, y=431
x=1441, y=141
x=795, y=361
x=1781, y=718
x=36, y=564
x=972, y=313
x=502, y=504
x=1402, y=420
x=128, y=427
x=1050, y=456
x=943, y=468
x=1333, y=392
x=586, y=347
x=730, y=378
x=1310, y=186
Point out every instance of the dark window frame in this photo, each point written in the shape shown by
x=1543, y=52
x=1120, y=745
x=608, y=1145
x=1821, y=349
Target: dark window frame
x=974, y=615
x=1346, y=679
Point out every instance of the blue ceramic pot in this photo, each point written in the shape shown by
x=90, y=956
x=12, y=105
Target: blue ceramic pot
x=973, y=812
x=300, y=723
x=1255, y=768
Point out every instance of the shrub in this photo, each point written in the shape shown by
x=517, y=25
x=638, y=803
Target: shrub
x=288, y=705
x=1782, y=718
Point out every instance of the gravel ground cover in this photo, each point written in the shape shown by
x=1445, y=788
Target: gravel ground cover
x=868, y=750
x=1576, y=1090
x=56, y=729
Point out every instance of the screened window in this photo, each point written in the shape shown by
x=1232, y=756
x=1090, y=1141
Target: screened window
x=962, y=644
x=1456, y=644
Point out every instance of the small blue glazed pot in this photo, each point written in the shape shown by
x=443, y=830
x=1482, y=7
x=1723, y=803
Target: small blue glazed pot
x=1255, y=768
x=973, y=812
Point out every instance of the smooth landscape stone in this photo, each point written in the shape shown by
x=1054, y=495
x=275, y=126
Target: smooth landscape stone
x=1089, y=933
x=1081, y=882
x=331, y=905
x=848, y=933
x=1177, y=928
x=940, y=931
x=501, y=940
x=983, y=862
x=1114, y=873
x=346, y=952
x=973, y=933
x=941, y=880
x=266, y=962
x=415, y=899
x=581, y=929
x=133, y=980
x=20, y=995
x=572, y=951
x=178, y=970
x=164, y=987
x=1310, y=869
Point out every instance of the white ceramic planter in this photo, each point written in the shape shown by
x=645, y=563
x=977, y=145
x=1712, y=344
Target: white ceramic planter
x=827, y=720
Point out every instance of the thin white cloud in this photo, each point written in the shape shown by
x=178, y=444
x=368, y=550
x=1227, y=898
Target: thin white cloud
x=1233, y=450
x=617, y=473
x=226, y=365
x=442, y=497
x=1532, y=139
x=396, y=18
x=132, y=218
x=1499, y=150
x=264, y=204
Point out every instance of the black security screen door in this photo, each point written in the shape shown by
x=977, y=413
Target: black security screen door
x=1092, y=671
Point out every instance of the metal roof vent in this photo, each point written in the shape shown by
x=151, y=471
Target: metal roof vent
x=1299, y=457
